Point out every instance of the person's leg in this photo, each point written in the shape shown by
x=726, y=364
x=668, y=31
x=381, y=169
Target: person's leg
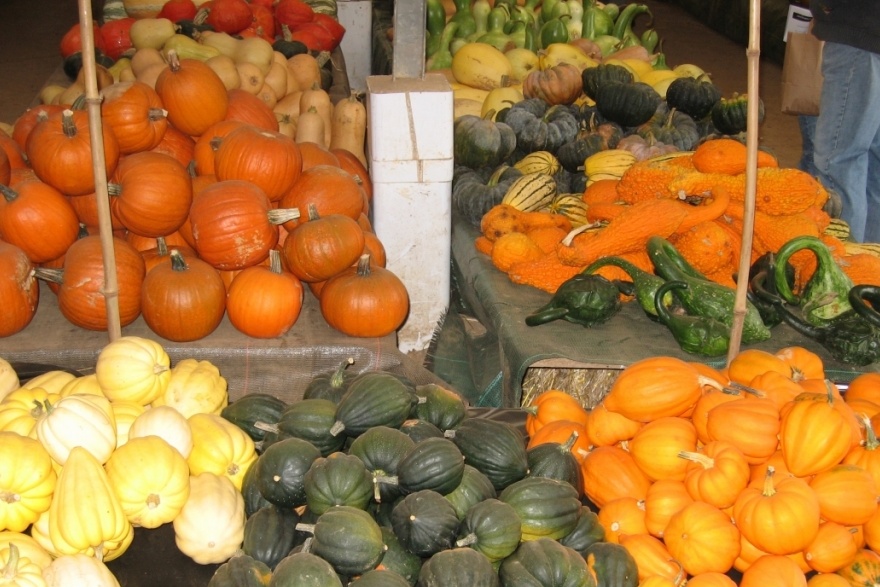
x=847, y=128
x=807, y=125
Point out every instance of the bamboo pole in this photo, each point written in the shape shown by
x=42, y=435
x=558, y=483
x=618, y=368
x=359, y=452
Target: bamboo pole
x=753, y=53
x=93, y=100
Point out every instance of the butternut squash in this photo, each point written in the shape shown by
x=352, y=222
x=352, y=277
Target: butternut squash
x=73, y=91
x=303, y=71
x=267, y=95
x=349, y=127
x=277, y=79
x=151, y=74
x=251, y=77
x=224, y=67
x=310, y=127
x=143, y=58
x=319, y=99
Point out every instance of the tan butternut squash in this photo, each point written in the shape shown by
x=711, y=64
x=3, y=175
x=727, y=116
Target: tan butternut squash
x=224, y=67
x=50, y=93
x=267, y=95
x=151, y=73
x=289, y=105
x=143, y=58
x=73, y=91
x=318, y=98
x=349, y=127
x=277, y=79
x=303, y=71
x=126, y=75
x=310, y=127
x=251, y=77
x=286, y=125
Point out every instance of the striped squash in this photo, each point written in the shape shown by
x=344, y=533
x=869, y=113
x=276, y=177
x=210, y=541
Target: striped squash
x=143, y=8
x=531, y=192
x=608, y=164
x=538, y=162
x=572, y=206
x=838, y=228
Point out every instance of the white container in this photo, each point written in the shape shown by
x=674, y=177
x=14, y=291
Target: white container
x=411, y=159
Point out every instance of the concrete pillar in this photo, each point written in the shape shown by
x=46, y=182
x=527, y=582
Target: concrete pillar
x=409, y=138
x=357, y=44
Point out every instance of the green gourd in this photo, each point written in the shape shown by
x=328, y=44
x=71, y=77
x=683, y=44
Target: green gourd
x=584, y=299
x=645, y=284
x=697, y=335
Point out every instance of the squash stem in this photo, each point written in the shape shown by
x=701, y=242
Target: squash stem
x=8, y=193
x=67, y=124
x=769, y=488
x=466, y=541
x=871, y=442
x=282, y=215
x=266, y=427
x=697, y=457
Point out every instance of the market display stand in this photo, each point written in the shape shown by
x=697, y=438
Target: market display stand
x=500, y=307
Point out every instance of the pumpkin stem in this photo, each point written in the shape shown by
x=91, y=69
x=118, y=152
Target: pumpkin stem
x=173, y=60
x=114, y=189
x=282, y=215
x=67, y=124
x=829, y=391
x=697, y=457
x=569, y=444
x=871, y=442
x=11, y=569
x=313, y=211
x=155, y=114
x=363, y=268
x=8, y=193
x=709, y=382
x=178, y=263
x=302, y=527
x=275, y=261
x=769, y=489
x=46, y=274
x=739, y=387
x=161, y=246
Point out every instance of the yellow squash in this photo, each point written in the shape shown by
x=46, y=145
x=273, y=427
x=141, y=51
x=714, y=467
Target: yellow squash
x=499, y=99
x=150, y=479
x=133, y=368
x=124, y=414
x=8, y=379
x=27, y=481
x=27, y=547
x=220, y=447
x=608, y=164
x=20, y=410
x=19, y=571
x=85, y=515
x=556, y=53
x=210, y=527
x=195, y=387
x=87, y=385
x=522, y=61
x=78, y=421
x=52, y=381
x=481, y=65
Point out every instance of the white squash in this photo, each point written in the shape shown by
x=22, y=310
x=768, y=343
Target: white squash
x=78, y=570
x=19, y=571
x=27, y=546
x=78, y=421
x=167, y=423
x=210, y=527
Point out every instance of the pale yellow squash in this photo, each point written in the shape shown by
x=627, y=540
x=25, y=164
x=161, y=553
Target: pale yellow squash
x=27, y=546
x=133, y=368
x=20, y=410
x=124, y=414
x=27, y=481
x=220, y=447
x=84, y=421
x=79, y=570
x=85, y=516
x=210, y=527
x=150, y=479
x=52, y=381
x=195, y=387
x=19, y=571
x=167, y=423
x=8, y=379
x=85, y=385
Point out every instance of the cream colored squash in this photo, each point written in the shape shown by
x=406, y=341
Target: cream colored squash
x=194, y=387
x=124, y=414
x=27, y=482
x=224, y=67
x=20, y=410
x=84, y=421
x=167, y=423
x=27, y=547
x=8, y=379
x=220, y=447
x=19, y=571
x=52, y=381
x=133, y=368
x=79, y=570
x=150, y=479
x=143, y=8
x=210, y=527
x=85, y=385
x=251, y=77
x=85, y=516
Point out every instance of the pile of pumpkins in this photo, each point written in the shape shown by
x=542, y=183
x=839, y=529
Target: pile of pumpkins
x=762, y=470
x=139, y=442
x=207, y=181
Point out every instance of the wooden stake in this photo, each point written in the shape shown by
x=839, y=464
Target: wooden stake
x=753, y=54
x=93, y=100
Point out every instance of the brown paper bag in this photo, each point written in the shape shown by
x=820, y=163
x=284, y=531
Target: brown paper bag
x=802, y=74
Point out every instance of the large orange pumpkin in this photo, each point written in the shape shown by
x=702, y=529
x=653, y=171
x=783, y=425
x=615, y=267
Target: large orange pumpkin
x=710, y=398
x=177, y=144
x=247, y=108
x=193, y=94
x=331, y=189
x=133, y=110
x=716, y=473
x=322, y=247
x=269, y=159
x=25, y=123
x=264, y=302
x=206, y=145
x=19, y=290
x=702, y=538
x=37, y=218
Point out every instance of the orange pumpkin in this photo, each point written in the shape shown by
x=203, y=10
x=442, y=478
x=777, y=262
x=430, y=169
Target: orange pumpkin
x=773, y=571
x=711, y=397
x=607, y=428
x=749, y=553
x=751, y=424
x=833, y=548
x=654, y=388
x=551, y=405
x=242, y=106
x=702, y=538
x=871, y=532
x=609, y=472
x=712, y=579
x=624, y=515
x=759, y=471
x=19, y=290
x=206, y=145
x=651, y=556
x=805, y=364
x=193, y=94
x=814, y=435
x=38, y=219
x=133, y=110
x=864, y=386
x=177, y=144
x=863, y=570
x=866, y=455
x=270, y=160
x=322, y=247
x=25, y=123
x=716, y=473
x=314, y=154
x=559, y=431
x=331, y=189
x=777, y=387
x=750, y=363
x=664, y=499
x=847, y=494
x=782, y=517
x=350, y=162
x=657, y=445
x=264, y=302
x=827, y=580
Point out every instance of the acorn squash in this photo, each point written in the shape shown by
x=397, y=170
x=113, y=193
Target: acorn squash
x=425, y=523
x=380, y=449
x=374, y=398
x=348, y=538
x=545, y=562
x=474, y=488
x=496, y=448
x=249, y=409
x=434, y=463
x=480, y=142
x=492, y=528
x=241, y=571
x=458, y=566
x=304, y=569
x=339, y=479
x=280, y=471
x=269, y=534
x=548, y=508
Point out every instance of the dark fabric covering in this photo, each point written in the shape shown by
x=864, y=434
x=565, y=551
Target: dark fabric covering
x=849, y=22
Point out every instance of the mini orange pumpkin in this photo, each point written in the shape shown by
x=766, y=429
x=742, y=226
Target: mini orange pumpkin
x=773, y=571
x=551, y=405
x=702, y=538
x=609, y=472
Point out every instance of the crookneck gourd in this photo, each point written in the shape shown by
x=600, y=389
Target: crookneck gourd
x=697, y=335
x=584, y=299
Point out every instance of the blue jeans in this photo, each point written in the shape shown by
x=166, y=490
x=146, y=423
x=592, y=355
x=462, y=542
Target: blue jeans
x=847, y=139
x=807, y=125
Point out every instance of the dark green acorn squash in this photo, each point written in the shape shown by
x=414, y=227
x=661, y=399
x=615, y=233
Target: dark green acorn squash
x=612, y=565
x=548, y=508
x=399, y=559
x=304, y=569
x=419, y=430
x=425, y=523
x=475, y=192
x=434, y=463
x=289, y=48
x=603, y=74
x=440, y=406
x=458, y=567
x=474, y=488
x=269, y=534
x=628, y=104
x=541, y=127
x=481, y=142
x=331, y=386
x=311, y=419
x=546, y=563
x=556, y=461
x=374, y=398
x=693, y=96
x=729, y=115
x=380, y=578
x=492, y=528
x=250, y=491
x=380, y=449
x=241, y=571
x=252, y=408
x=348, y=538
x=339, y=479
x=587, y=532
x=280, y=471
x=671, y=127
x=496, y=448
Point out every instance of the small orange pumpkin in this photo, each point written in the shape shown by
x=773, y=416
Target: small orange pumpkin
x=847, y=494
x=750, y=363
x=664, y=499
x=657, y=445
x=624, y=515
x=716, y=474
x=702, y=538
x=607, y=428
x=773, y=571
x=751, y=424
x=609, y=472
x=551, y=405
x=833, y=548
x=651, y=556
